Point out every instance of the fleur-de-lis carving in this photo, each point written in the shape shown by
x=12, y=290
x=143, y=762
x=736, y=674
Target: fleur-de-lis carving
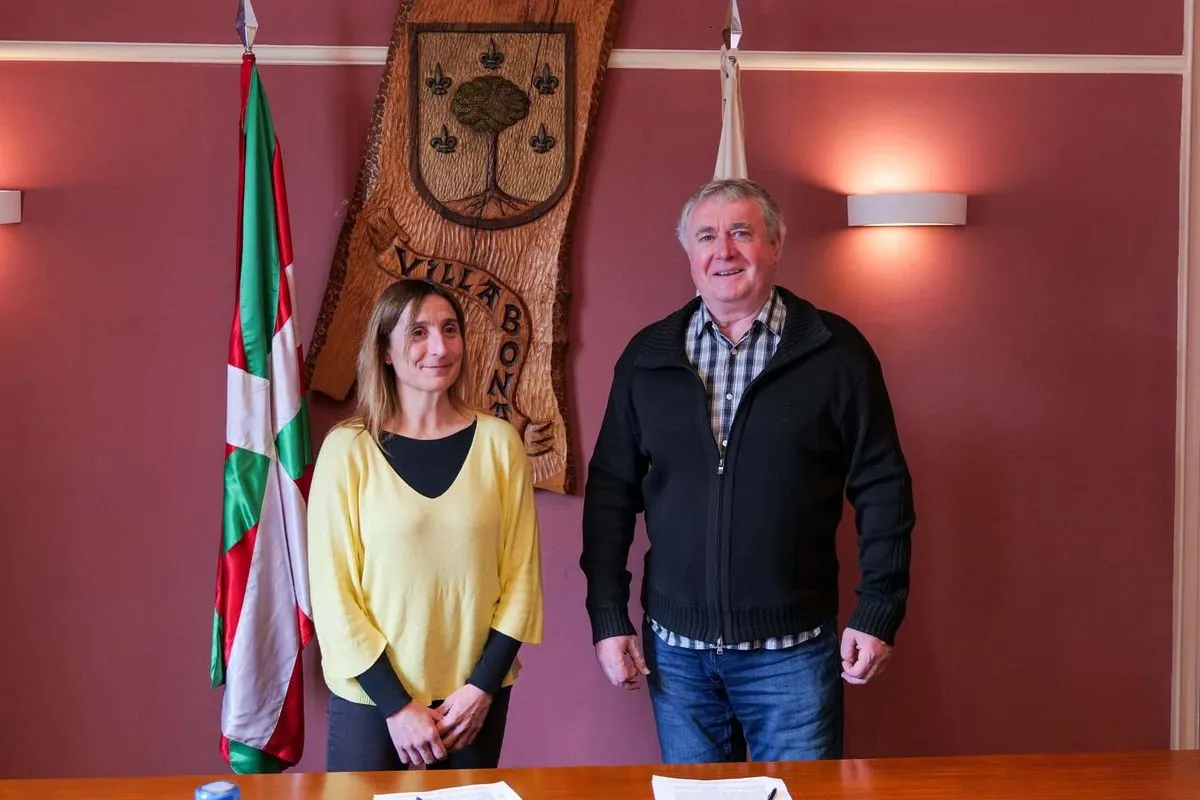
x=493, y=58
x=542, y=142
x=544, y=82
x=444, y=143
x=439, y=83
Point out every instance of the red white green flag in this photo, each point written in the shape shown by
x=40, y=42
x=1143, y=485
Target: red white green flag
x=263, y=617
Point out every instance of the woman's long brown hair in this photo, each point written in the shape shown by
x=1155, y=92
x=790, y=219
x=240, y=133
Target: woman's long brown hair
x=377, y=395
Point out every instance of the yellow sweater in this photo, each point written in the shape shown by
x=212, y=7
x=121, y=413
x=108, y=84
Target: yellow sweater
x=422, y=579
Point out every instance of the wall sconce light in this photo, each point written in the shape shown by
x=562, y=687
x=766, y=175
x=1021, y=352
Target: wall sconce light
x=10, y=206
x=919, y=208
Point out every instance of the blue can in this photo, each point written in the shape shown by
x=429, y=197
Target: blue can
x=218, y=790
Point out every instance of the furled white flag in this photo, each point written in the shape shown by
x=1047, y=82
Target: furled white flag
x=731, y=153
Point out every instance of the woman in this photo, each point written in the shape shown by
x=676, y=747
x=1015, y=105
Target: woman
x=423, y=552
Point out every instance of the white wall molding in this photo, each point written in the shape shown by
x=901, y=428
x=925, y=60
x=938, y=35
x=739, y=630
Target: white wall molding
x=781, y=61
x=167, y=53
x=322, y=55
x=1185, y=667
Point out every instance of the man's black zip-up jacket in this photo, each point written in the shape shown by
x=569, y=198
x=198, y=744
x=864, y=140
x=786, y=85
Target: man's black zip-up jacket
x=745, y=548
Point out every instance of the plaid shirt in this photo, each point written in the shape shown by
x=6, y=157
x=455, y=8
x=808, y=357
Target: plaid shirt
x=727, y=369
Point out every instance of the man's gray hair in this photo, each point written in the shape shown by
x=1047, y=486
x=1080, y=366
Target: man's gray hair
x=731, y=190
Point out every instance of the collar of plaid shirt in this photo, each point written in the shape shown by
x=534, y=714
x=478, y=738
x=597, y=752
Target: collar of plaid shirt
x=772, y=314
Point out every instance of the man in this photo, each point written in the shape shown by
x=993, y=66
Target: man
x=735, y=425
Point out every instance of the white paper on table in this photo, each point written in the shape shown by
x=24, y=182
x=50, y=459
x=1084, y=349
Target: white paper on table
x=758, y=788
x=477, y=791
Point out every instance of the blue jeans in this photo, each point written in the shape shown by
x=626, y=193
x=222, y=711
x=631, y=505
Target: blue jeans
x=787, y=703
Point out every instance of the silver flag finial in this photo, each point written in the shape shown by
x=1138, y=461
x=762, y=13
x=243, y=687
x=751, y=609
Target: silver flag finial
x=246, y=24
x=732, y=33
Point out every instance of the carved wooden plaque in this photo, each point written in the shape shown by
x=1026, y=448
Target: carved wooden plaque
x=470, y=178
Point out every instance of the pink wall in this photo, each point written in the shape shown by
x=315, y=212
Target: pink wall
x=1005, y=26
x=1030, y=357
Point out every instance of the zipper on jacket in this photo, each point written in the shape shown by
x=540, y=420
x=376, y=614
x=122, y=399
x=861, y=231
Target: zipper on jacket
x=720, y=561
x=721, y=571
x=720, y=504
x=721, y=451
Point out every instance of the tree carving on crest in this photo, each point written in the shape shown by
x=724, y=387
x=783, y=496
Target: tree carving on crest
x=488, y=105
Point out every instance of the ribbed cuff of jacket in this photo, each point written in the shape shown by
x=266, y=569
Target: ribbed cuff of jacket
x=610, y=621
x=878, y=618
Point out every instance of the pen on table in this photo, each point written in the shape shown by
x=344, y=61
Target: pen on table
x=771, y=796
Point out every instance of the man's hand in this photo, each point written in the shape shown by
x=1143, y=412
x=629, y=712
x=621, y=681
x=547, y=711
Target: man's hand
x=863, y=656
x=463, y=713
x=621, y=671
x=414, y=732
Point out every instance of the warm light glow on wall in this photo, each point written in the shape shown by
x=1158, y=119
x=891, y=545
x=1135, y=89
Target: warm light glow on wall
x=911, y=267
x=876, y=161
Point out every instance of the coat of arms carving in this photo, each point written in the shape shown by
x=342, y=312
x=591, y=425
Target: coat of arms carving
x=491, y=112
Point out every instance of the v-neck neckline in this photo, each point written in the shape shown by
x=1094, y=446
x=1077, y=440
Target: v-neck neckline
x=458, y=477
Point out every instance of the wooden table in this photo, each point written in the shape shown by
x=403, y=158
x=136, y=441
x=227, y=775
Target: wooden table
x=1119, y=776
